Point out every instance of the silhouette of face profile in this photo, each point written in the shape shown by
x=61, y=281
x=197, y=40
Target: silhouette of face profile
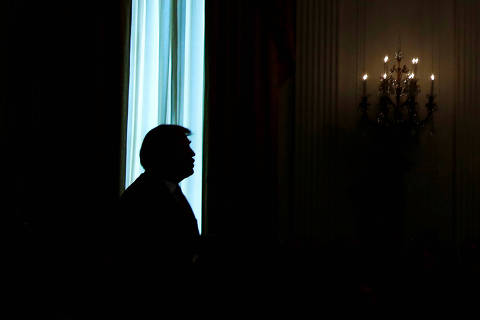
x=182, y=158
x=166, y=151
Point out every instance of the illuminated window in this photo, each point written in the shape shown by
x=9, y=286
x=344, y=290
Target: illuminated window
x=166, y=81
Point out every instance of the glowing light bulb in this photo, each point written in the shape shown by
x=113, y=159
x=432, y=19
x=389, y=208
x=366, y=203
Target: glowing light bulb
x=415, y=60
x=431, y=86
x=384, y=76
x=385, y=59
x=365, y=76
x=411, y=76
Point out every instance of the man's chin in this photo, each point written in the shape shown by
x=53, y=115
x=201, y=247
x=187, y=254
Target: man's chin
x=188, y=173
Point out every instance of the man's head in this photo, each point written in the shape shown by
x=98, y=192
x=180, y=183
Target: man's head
x=166, y=151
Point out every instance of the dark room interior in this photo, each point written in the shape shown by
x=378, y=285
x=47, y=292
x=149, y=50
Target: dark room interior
x=301, y=203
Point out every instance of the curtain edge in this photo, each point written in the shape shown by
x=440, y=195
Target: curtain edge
x=126, y=19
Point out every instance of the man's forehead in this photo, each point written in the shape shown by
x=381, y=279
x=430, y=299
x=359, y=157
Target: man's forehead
x=181, y=138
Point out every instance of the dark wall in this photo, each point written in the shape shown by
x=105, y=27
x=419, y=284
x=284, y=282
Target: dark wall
x=61, y=135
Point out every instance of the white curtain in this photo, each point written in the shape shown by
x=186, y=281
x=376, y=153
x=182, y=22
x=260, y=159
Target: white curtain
x=166, y=80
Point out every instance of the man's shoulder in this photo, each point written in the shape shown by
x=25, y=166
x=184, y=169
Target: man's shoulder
x=144, y=188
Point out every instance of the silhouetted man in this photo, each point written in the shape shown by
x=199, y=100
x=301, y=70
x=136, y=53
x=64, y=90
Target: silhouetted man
x=158, y=232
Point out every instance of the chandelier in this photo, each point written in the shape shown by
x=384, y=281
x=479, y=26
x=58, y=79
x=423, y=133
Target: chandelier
x=397, y=103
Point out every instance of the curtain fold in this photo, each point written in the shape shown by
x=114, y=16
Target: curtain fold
x=250, y=69
x=166, y=80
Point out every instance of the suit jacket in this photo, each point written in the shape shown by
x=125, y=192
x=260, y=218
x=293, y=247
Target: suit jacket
x=157, y=234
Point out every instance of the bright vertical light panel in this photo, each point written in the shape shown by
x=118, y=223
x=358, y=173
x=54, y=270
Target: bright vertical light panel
x=193, y=96
x=162, y=92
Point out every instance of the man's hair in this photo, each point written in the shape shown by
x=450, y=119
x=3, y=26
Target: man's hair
x=159, y=143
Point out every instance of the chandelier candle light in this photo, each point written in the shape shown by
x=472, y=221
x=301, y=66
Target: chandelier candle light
x=365, y=77
x=402, y=84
